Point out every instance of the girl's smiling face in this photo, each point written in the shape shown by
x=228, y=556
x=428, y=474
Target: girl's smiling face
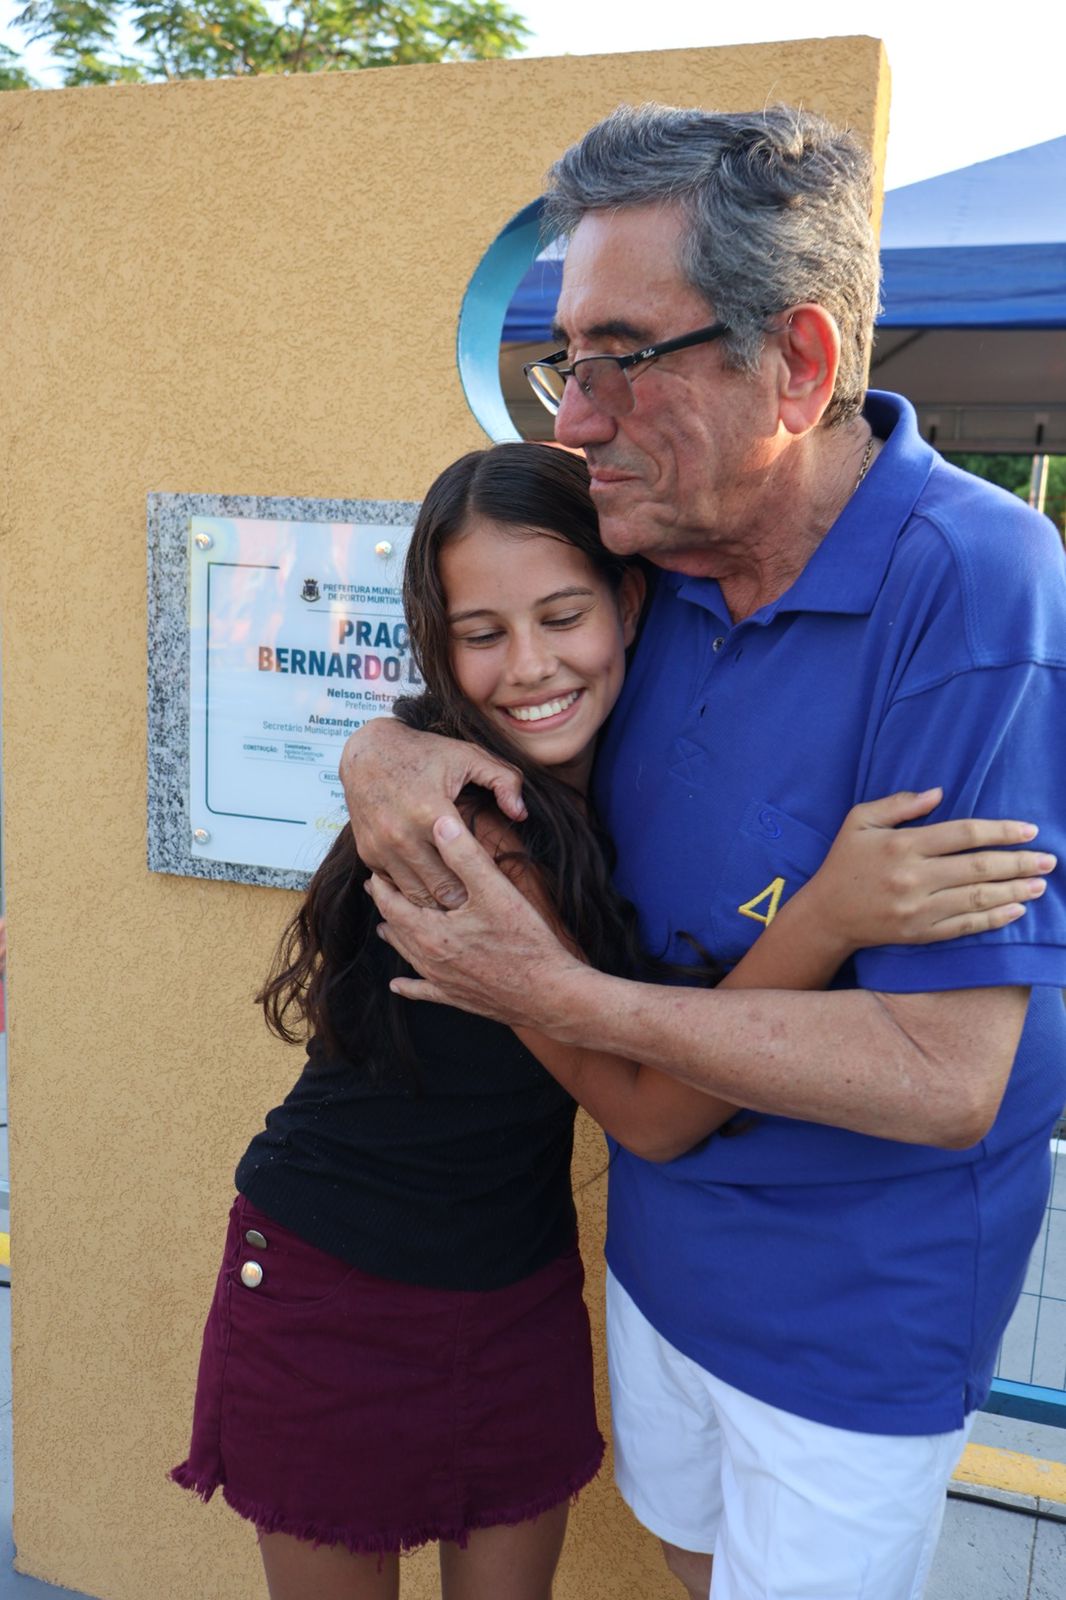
x=537, y=638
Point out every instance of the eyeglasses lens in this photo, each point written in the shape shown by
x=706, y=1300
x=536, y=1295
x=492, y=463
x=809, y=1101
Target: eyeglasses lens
x=600, y=379
x=606, y=384
x=547, y=385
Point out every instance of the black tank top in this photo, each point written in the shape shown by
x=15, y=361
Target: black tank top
x=456, y=1176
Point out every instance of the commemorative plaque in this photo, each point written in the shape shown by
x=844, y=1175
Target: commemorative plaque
x=295, y=637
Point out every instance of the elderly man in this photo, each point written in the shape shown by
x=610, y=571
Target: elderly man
x=802, y=1317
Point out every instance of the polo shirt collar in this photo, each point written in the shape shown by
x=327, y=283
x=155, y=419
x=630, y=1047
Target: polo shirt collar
x=847, y=570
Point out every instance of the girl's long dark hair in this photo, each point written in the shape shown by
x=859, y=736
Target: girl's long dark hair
x=329, y=975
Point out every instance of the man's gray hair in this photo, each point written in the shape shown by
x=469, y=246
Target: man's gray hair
x=778, y=210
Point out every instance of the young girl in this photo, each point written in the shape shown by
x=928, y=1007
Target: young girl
x=398, y=1350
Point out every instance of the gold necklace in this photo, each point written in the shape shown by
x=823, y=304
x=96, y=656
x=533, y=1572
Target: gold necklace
x=867, y=457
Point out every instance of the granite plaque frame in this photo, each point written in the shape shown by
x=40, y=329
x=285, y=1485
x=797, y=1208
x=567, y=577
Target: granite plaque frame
x=275, y=628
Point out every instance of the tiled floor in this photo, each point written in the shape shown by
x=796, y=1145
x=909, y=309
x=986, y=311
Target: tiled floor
x=987, y=1554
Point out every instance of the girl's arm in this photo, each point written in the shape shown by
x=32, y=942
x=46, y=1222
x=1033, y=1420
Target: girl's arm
x=879, y=884
x=883, y=884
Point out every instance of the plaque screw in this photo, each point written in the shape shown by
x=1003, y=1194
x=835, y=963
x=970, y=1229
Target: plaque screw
x=200, y=835
x=203, y=541
x=383, y=549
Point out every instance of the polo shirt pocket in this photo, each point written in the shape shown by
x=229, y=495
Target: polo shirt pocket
x=771, y=856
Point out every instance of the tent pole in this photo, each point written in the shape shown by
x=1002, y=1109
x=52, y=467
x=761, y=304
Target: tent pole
x=1038, y=481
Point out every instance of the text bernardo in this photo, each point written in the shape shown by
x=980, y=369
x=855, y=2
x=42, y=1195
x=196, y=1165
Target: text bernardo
x=363, y=663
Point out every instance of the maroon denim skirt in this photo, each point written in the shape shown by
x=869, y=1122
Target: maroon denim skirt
x=348, y=1409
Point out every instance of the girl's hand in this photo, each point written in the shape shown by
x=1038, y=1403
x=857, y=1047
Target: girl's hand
x=883, y=884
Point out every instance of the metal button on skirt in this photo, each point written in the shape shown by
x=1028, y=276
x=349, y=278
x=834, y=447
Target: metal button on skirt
x=347, y=1409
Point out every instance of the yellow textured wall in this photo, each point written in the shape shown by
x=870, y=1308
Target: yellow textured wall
x=234, y=287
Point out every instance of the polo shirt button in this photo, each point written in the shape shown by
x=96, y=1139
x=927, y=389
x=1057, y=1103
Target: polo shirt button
x=769, y=824
x=718, y=643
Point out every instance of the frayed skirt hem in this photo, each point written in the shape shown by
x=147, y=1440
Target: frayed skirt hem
x=390, y=1543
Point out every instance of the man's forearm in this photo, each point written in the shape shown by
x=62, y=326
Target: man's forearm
x=849, y=1058
x=919, y=1068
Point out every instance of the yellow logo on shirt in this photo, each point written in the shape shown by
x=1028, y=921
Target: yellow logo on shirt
x=770, y=898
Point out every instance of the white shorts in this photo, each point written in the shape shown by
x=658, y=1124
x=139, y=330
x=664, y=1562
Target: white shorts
x=792, y=1509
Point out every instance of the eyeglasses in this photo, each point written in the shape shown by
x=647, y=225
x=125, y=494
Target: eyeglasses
x=605, y=380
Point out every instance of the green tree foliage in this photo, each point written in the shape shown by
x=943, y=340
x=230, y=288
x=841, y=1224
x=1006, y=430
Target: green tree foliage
x=12, y=74
x=1014, y=473
x=1010, y=472
x=232, y=38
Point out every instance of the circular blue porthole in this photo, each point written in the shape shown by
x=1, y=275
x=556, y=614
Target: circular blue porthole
x=506, y=319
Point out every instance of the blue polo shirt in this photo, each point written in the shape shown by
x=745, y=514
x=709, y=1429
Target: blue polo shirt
x=852, y=1280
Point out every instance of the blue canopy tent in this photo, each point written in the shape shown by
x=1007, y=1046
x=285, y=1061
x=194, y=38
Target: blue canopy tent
x=974, y=323
x=984, y=247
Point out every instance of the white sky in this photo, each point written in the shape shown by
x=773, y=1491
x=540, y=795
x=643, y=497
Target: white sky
x=963, y=89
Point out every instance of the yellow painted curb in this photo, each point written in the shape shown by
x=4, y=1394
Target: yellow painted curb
x=5, y=1249
x=1010, y=1470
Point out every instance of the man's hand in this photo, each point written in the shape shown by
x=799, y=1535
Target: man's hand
x=495, y=955
x=396, y=783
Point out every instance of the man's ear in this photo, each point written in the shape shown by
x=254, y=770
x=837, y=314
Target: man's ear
x=809, y=346
x=631, y=602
